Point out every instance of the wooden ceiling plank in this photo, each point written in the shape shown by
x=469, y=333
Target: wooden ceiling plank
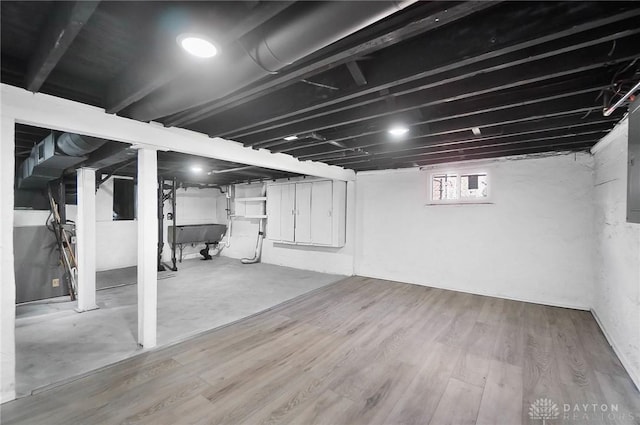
x=542, y=109
x=136, y=83
x=563, y=125
x=62, y=28
x=421, y=26
x=505, y=99
x=403, y=70
x=424, y=133
x=509, y=67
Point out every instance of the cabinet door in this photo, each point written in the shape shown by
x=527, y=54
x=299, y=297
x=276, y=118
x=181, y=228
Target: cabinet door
x=303, y=213
x=287, y=211
x=274, y=212
x=321, y=212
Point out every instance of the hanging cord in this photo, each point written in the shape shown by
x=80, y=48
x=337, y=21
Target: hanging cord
x=617, y=92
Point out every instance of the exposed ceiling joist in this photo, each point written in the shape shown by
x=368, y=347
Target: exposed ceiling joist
x=535, y=68
x=470, y=145
x=581, y=103
x=557, y=126
x=488, y=142
x=531, y=149
x=154, y=71
x=292, y=37
x=549, y=145
x=63, y=26
x=401, y=69
x=468, y=79
x=520, y=71
x=421, y=26
x=440, y=108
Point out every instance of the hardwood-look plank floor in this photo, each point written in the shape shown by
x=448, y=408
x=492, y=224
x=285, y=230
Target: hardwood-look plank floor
x=362, y=351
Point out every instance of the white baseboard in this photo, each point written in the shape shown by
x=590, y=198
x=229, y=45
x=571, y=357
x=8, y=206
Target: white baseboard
x=626, y=363
x=487, y=294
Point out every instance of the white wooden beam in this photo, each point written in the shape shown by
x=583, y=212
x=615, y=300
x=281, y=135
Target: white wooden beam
x=86, y=239
x=147, y=216
x=52, y=112
x=8, y=285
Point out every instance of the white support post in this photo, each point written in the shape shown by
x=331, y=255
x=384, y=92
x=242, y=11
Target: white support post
x=86, y=239
x=147, y=205
x=8, y=285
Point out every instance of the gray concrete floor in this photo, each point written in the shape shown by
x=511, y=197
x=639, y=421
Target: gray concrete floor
x=54, y=343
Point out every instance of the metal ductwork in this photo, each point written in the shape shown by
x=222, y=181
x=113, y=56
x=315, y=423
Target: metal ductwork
x=76, y=145
x=50, y=157
x=300, y=30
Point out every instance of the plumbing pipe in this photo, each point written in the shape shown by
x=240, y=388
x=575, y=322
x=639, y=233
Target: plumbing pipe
x=258, y=254
x=227, y=241
x=615, y=106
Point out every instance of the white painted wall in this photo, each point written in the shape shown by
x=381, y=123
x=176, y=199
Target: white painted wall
x=116, y=241
x=28, y=218
x=617, y=278
x=534, y=243
x=116, y=244
x=321, y=259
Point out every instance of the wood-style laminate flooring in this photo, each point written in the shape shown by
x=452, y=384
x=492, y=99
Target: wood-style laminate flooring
x=361, y=351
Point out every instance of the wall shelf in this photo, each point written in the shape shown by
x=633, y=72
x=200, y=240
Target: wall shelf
x=250, y=216
x=252, y=199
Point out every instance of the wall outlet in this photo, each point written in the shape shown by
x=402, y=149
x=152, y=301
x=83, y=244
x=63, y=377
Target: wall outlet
x=55, y=283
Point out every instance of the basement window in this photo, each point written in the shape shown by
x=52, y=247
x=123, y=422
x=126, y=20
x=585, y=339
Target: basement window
x=124, y=199
x=459, y=187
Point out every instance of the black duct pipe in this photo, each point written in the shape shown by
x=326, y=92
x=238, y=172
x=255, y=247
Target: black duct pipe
x=300, y=30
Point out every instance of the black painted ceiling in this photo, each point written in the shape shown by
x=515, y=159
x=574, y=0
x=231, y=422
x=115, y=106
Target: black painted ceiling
x=471, y=79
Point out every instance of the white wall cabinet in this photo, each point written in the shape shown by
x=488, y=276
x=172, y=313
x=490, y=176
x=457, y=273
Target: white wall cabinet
x=307, y=212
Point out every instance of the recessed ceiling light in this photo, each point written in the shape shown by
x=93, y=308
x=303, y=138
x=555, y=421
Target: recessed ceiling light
x=197, y=45
x=196, y=169
x=398, y=130
x=290, y=138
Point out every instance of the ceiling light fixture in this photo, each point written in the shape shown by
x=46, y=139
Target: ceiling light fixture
x=398, y=130
x=290, y=138
x=196, y=169
x=197, y=45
